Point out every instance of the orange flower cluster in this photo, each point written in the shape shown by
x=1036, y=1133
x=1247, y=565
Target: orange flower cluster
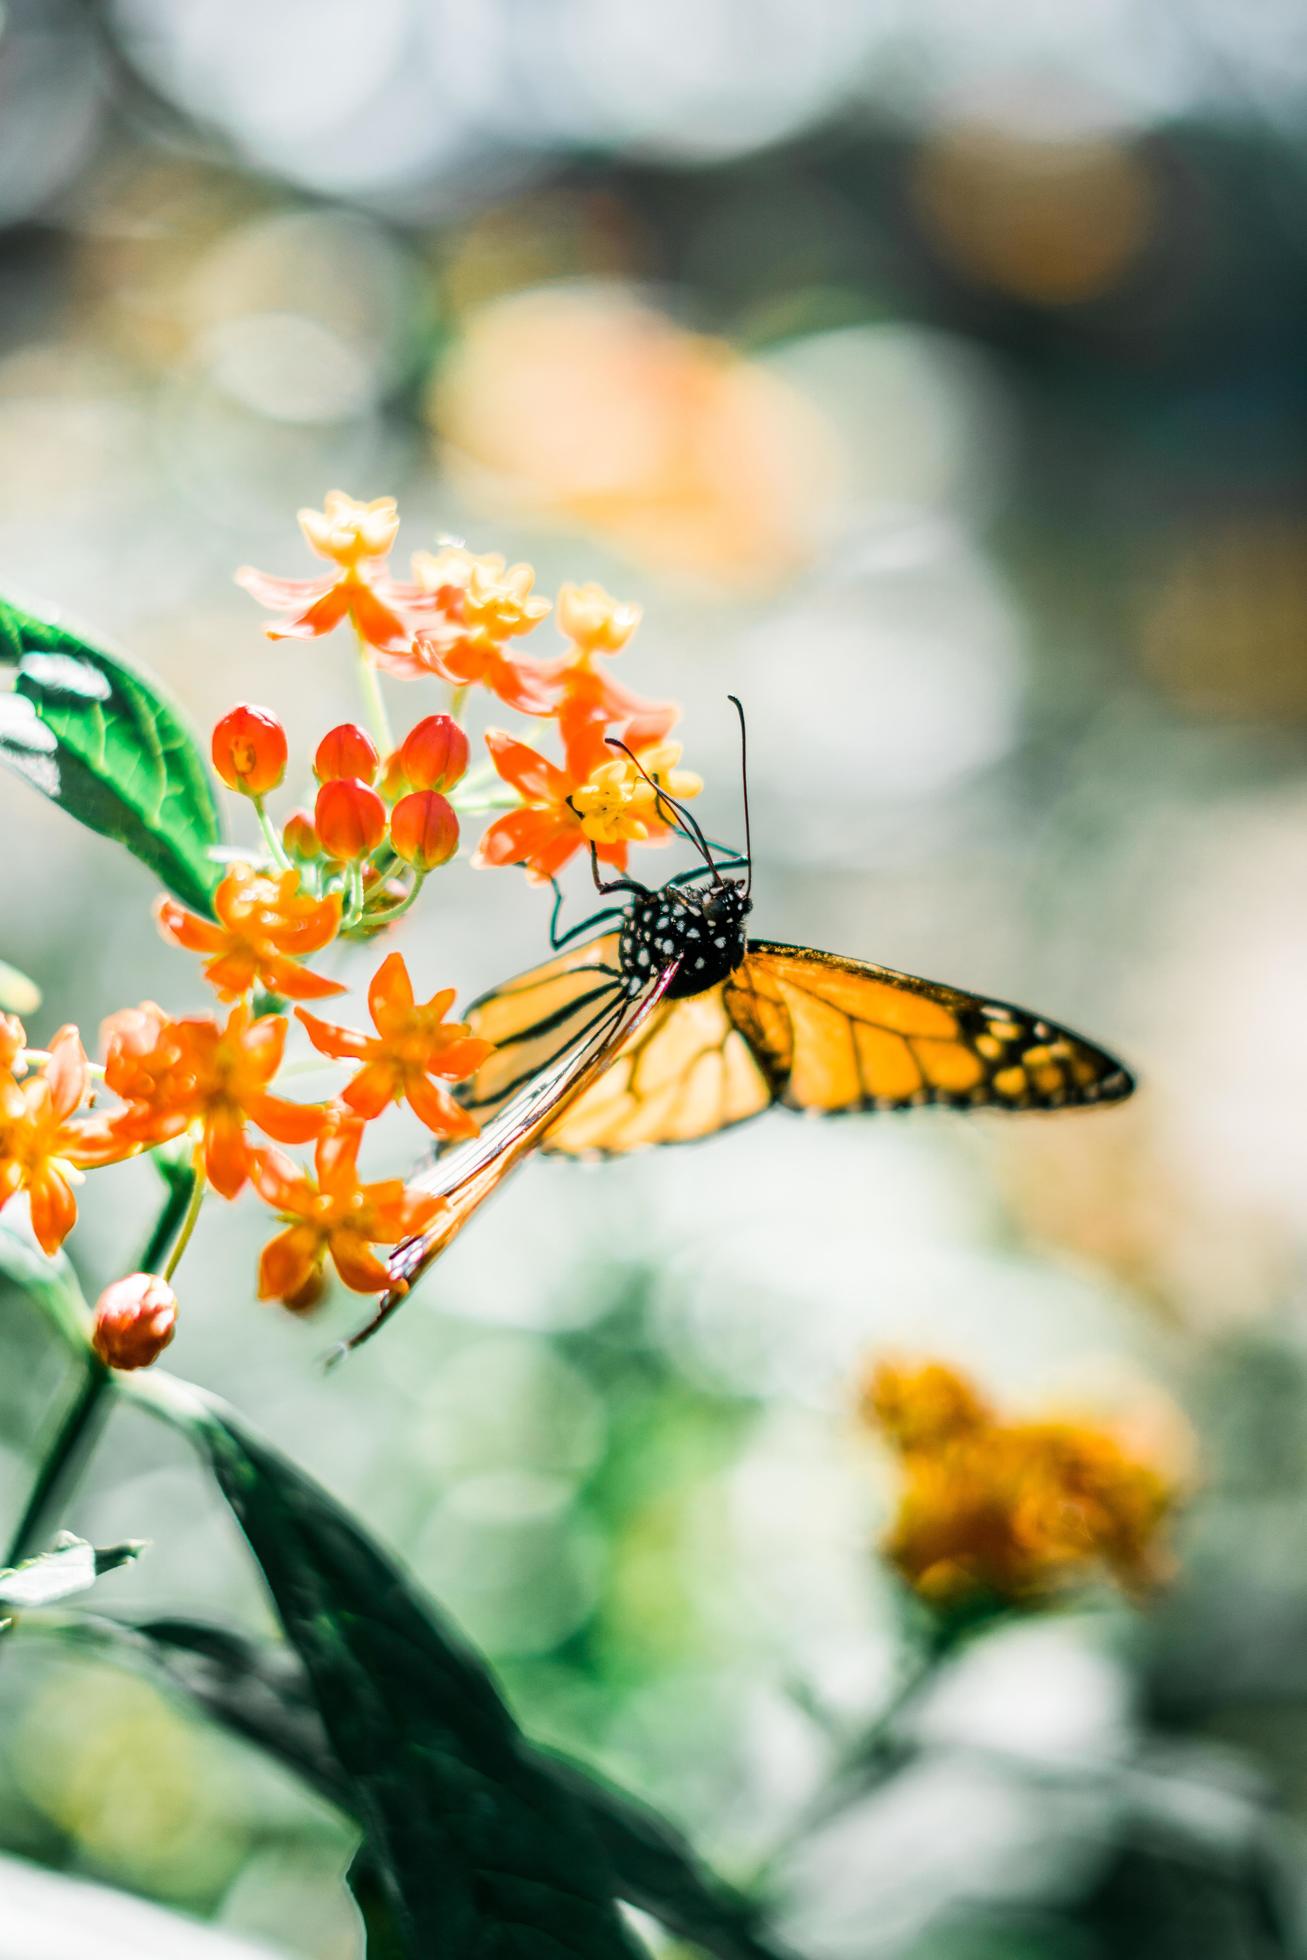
x=1012, y=1513
x=461, y=619
x=384, y=814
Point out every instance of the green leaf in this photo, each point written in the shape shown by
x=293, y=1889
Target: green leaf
x=18, y=994
x=51, y=1283
x=483, y=1854
x=96, y=736
x=70, y=1566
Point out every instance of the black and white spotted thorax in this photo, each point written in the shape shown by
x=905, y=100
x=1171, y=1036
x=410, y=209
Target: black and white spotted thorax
x=702, y=929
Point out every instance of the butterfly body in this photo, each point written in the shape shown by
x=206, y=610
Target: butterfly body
x=700, y=932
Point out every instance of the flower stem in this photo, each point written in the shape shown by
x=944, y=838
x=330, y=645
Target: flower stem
x=63, y=1465
x=398, y=910
x=79, y=1432
x=187, y=1226
x=373, y=700
x=270, y=836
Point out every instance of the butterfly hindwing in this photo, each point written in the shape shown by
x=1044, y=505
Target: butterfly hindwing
x=687, y=1073
x=838, y=1034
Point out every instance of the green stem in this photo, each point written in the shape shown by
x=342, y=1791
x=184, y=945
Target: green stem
x=373, y=700
x=398, y=910
x=64, y=1462
x=270, y=836
x=187, y=1226
x=79, y=1432
x=457, y=702
x=353, y=897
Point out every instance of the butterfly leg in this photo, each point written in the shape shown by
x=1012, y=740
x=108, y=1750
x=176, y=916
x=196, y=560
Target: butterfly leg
x=605, y=885
x=558, y=940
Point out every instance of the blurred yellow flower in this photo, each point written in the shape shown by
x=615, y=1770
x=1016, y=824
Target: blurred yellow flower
x=1011, y=1512
x=346, y=531
x=594, y=620
x=496, y=596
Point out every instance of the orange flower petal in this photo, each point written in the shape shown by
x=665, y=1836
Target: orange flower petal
x=360, y=1269
x=436, y=1108
x=390, y=994
x=226, y=1153
x=185, y=929
x=288, y=1122
x=373, y=1089
x=53, y=1208
x=289, y=1262
x=342, y=1044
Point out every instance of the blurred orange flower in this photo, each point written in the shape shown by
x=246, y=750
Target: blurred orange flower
x=333, y=1214
x=1011, y=1512
x=195, y=1076
x=413, y=1044
x=356, y=539
x=483, y=604
x=43, y=1151
x=265, y=927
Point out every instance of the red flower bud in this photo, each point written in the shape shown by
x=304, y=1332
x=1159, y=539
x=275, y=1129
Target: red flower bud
x=424, y=830
x=434, y=754
x=135, y=1319
x=346, y=753
x=350, y=820
x=300, y=839
x=249, y=750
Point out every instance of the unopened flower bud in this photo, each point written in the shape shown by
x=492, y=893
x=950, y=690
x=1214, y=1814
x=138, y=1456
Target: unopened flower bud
x=346, y=753
x=350, y=819
x=249, y=750
x=135, y=1318
x=300, y=839
x=424, y=830
x=434, y=754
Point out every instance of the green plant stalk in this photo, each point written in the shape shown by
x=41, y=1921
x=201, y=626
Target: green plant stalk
x=79, y=1432
x=373, y=700
x=270, y=837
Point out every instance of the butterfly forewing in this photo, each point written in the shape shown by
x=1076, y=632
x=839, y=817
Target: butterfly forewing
x=539, y=1016
x=837, y=1034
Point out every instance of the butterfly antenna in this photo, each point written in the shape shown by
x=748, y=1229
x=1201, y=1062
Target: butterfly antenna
x=683, y=819
x=738, y=705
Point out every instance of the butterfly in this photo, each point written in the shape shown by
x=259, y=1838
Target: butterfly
x=674, y=1024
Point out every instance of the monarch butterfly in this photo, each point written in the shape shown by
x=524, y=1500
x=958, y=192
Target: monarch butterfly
x=674, y=1024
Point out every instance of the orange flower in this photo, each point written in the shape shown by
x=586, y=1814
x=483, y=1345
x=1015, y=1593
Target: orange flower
x=249, y=749
x=483, y=604
x=412, y=1045
x=135, y=1319
x=194, y=1076
x=596, y=623
x=265, y=927
x=42, y=1150
x=552, y=826
x=356, y=539
x=333, y=1214
x=1011, y=1512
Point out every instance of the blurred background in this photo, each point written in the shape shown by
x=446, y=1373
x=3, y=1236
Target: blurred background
x=933, y=376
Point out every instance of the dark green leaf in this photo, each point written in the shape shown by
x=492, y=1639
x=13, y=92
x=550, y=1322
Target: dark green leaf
x=483, y=1854
x=52, y=1283
x=93, y=734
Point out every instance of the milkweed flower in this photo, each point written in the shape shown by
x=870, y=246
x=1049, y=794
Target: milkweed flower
x=265, y=927
x=434, y=754
x=333, y=1215
x=483, y=604
x=551, y=827
x=412, y=1053
x=1012, y=1513
x=350, y=820
x=424, y=830
x=135, y=1319
x=346, y=753
x=355, y=538
x=43, y=1147
x=196, y=1077
x=587, y=696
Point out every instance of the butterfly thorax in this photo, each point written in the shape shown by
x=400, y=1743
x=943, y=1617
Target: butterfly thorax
x=702, y=931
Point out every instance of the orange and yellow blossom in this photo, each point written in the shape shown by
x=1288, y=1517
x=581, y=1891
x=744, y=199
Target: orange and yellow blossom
x=333, y=1215
x=1011, y=1512
x=266, y=925
x=482, y=604
x=355, y=538
x=43, y=1150
x=587, y=696
x=413, y=1045
x=597, y=798
x=194, y=1076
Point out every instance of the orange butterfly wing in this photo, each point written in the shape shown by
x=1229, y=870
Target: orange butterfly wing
x=838, y=1034
x=536, y=1017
